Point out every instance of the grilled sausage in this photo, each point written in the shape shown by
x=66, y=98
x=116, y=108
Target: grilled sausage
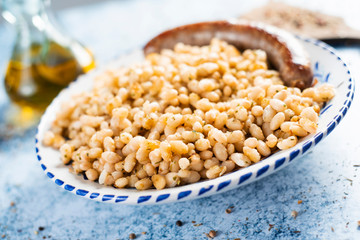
x=284, y=51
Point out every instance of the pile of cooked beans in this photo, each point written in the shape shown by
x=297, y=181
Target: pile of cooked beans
x=183, y=115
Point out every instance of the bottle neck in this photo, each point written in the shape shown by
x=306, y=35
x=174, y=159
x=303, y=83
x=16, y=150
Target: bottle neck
x=31, y=20
x=24, y=11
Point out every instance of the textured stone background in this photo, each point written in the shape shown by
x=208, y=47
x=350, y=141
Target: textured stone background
x=326, y=179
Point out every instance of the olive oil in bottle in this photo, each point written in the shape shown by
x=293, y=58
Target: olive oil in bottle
x=44, y=60
x=35, y=76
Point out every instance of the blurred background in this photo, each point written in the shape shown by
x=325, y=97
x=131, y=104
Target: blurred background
x=125, y=24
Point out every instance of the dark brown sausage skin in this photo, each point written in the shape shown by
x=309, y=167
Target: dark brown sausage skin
x=284, y=51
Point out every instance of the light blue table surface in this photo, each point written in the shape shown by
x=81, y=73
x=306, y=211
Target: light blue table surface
x=326, y=180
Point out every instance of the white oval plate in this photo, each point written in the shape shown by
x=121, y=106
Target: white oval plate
x=328, y=67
